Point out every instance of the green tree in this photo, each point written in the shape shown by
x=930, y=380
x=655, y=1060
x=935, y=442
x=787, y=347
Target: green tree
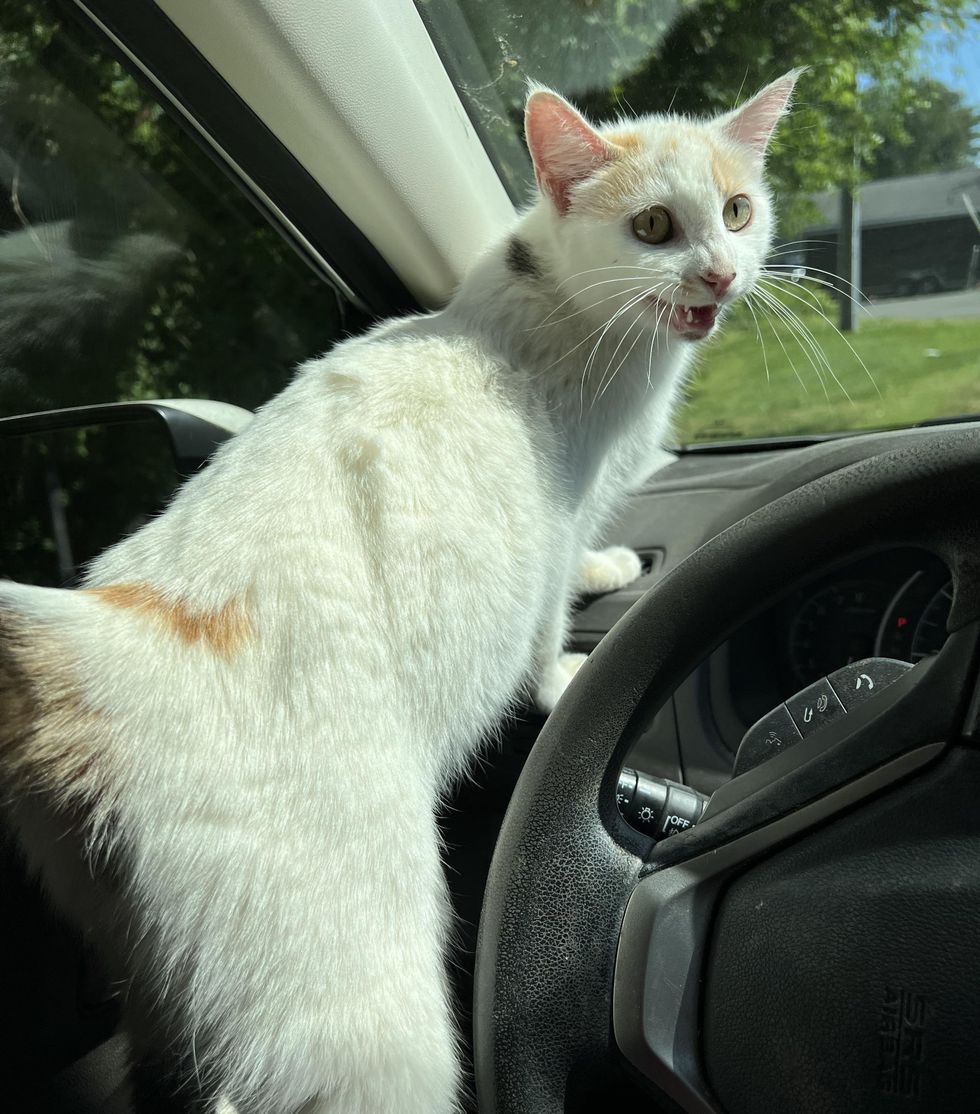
x=701, y=56
x=921, y=126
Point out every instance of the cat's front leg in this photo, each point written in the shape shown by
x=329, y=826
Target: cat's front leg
x=602, y=570
x=554, y=668
x=555, y=678
x=606, y=570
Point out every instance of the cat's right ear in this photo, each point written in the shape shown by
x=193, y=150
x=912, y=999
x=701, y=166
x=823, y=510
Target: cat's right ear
x=564, y=147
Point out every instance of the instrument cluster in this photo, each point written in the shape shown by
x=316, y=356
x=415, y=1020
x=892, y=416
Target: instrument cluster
x=892, y=604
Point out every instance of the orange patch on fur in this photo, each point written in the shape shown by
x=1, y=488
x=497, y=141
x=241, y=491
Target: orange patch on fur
x=625, y=176
x=629, y=141
x=728, y=171
x=223, y=631
x=618, y=179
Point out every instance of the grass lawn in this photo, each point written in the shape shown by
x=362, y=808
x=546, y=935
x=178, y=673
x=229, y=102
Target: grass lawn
x=923, y=369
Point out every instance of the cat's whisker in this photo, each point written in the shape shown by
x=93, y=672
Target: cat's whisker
x=673, y=291
x=804, y=295
x=663, y=310
x=800, y=243
x=635, y=277
x=789, y=359
x=776, y=310
x=585, y=369
x=610, y=267
x=609, y=324
x=855, y=296
x=853, y=350
x=623, y=338
x=804, y=334
x=584, y=340
x=619, y=313
x=653, y=341
x=626, y=355
x=802, y=286
x=792, y=251
x=618, y=294
x=806, y=342
x=762, y=343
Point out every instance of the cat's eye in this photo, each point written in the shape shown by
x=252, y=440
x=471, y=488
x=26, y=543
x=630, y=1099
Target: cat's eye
x=653, y=225
x=737, y=211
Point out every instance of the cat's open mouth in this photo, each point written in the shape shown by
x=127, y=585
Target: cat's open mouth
x=689, y=322
x=693, y=322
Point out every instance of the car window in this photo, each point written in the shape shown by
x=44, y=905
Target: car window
x=884, y=133
x=131, y=265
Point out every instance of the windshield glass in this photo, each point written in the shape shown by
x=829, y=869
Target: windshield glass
x=874, y=308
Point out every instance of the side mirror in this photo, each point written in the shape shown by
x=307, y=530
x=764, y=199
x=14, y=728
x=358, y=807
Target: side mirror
x=76, y=481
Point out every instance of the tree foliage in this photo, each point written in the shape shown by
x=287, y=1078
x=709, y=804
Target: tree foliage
x=921, y=126
x=700, y=57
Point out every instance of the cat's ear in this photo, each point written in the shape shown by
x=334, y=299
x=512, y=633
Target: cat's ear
x=753, y=124
x=564, y=147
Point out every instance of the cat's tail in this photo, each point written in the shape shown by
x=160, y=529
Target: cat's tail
x=49, y=733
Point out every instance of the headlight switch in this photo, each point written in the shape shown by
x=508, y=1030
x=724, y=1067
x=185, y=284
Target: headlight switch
x=658, y=807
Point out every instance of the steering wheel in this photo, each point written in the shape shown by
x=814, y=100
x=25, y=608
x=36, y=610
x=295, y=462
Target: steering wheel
x=811, y=945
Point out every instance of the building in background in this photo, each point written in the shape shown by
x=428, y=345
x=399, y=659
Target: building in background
x=917, y=234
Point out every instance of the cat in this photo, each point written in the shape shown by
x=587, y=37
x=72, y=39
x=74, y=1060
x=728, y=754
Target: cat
x=223, y=753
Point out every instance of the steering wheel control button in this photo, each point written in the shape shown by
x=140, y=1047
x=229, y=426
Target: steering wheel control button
x=766, y=738
x=816, y=705
x=657, y=807
x=861, y=680
x=822, y=702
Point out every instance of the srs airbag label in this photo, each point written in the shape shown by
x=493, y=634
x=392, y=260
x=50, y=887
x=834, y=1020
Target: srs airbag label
x=901, y=1041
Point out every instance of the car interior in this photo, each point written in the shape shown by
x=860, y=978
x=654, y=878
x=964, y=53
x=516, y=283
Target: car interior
x=199, y=196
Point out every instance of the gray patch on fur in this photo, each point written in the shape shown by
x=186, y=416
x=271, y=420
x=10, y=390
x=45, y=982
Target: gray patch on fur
x=521, y=260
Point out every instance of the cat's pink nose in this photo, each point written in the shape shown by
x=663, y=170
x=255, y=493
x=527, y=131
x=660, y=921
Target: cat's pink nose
x=719, y=283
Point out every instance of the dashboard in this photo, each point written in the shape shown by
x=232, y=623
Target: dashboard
x=893, y=602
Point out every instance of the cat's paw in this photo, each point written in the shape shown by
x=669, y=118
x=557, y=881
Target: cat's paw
x=605, y=570
x=557, y=679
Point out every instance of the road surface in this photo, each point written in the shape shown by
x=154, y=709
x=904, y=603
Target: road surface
x=961, y=303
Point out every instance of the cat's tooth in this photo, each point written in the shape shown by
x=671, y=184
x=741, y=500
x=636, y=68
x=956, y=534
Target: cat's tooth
x=690, y=317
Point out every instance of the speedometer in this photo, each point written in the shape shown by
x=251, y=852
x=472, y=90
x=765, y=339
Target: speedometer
x=835, y=626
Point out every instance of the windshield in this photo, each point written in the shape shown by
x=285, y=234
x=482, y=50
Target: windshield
x=873, y=316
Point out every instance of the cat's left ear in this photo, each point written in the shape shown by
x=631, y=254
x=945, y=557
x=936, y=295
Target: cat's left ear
x=753, y=124
x=564, y=147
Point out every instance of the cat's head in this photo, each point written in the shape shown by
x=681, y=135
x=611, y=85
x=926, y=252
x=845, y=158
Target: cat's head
x=663, y=218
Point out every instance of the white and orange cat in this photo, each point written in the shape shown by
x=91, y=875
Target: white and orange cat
x=367, y=577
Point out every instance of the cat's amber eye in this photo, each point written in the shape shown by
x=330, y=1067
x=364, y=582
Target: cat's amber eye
x=653, y=225
x=737, y=211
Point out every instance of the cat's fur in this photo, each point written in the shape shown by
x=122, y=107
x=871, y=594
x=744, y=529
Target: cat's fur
x=248, y=713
